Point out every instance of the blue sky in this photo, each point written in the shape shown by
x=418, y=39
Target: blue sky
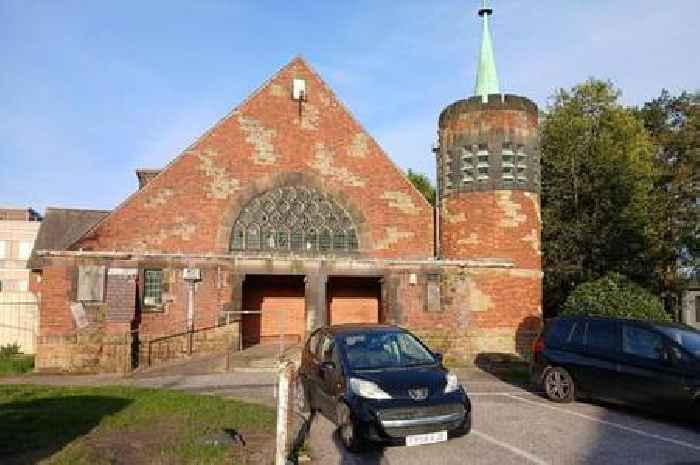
x=91, y=90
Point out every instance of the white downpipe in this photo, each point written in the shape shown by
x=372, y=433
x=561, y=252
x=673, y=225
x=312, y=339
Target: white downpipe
x=190, y=316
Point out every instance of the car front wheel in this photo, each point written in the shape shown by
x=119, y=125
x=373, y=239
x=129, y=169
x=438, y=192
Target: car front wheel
x=559, y=385
x=347, y=430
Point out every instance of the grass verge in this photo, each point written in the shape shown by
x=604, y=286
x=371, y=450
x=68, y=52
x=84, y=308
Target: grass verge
x=16, y=364
x=125, y=425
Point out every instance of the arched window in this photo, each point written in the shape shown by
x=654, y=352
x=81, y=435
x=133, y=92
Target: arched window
x=294, y=218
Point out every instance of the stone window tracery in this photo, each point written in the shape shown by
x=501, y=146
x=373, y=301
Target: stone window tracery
x=294, y=219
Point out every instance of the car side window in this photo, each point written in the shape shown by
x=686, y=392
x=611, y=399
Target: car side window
x=559, y=332
x=602, y=336
x=577, y=336
x=640, y=342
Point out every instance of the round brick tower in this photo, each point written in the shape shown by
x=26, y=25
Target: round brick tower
x=488, y=173
x=488, y=180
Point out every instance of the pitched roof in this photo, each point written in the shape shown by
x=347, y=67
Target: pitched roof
x=61, y=227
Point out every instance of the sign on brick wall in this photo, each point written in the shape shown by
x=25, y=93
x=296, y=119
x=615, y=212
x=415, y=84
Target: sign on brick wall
x=91, y=281
x=121, y=294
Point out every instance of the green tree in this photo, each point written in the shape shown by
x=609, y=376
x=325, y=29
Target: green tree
x=674, y=125
x=423, y=184
x=616, y=296
x=597, y=191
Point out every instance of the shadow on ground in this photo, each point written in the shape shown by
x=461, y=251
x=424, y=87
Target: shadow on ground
x=34, y=429
x=508, y=368
x=371, y=455
x=512, y=368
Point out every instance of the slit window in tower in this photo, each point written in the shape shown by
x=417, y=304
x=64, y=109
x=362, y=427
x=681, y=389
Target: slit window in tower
x=522, y=156
x=468, y=174
x=522, y=175
x=507, y=154
x=483, y=155
x=467, y=156
x=522, y=165
x=483, y=173
x=508, y=174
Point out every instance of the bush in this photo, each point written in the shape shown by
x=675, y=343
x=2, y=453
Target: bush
x=616, y=296
x=16, y=364
x=9, y=350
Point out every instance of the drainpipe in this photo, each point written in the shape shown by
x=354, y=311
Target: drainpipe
x=190, y=317
x=438, y=197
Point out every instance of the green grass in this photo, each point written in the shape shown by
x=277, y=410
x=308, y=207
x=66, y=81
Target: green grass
x=16, y=364
x=125, y=425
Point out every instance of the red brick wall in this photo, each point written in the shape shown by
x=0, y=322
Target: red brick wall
x=494, y=310
x=492, y=224
x=211, y=295
x=192, y=204
x=56, y=318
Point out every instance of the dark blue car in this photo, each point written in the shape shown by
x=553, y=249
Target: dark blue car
x=655, y=366
x=382, y=384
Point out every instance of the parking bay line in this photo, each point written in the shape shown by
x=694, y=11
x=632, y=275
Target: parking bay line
x=507, y=446
x=499, y=393
x=610, y=423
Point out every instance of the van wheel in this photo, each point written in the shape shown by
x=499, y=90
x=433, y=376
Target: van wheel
x=559, y=385
x=347, y=430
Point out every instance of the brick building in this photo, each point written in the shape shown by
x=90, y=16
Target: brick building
x=288, y=209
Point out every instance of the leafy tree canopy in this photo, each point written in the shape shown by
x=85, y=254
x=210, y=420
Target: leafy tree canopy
x=423, y=184
x=615, y=296
x=597, y=191
x=673, y=123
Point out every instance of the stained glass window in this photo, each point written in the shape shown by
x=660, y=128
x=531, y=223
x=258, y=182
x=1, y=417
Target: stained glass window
x=294, y=218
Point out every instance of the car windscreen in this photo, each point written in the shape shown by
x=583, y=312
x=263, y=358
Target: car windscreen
x=686, y=338
x=377, y=350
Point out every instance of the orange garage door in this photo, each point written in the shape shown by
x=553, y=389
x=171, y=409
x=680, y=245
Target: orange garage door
x=353, y=300
x=281, y=300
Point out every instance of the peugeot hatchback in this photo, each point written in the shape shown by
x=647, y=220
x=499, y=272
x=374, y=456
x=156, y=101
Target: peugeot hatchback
x=382, y=384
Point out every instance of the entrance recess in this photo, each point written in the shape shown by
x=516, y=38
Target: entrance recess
x=353, y=300
x=281, y=301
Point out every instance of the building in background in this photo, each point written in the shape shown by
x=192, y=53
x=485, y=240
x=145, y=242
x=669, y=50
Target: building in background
x=18, y=305
x=18, y=230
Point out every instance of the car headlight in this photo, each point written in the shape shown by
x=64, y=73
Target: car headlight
x=452, y=383
x=367, y=389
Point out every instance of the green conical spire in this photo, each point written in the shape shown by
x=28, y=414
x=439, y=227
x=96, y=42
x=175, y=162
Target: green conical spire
x=486, y=75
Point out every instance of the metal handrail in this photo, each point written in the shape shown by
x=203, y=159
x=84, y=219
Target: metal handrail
x=188, y=332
